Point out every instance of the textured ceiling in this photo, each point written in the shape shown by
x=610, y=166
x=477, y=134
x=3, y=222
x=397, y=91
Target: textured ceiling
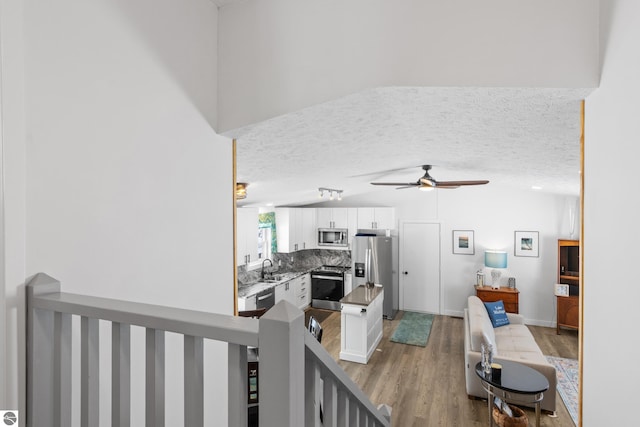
x=514, y=137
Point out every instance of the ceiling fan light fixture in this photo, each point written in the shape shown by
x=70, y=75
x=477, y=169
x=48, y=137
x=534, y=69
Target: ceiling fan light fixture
x=426, y=182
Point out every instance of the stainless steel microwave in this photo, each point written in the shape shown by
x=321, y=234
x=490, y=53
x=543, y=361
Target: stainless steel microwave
x=332, y=236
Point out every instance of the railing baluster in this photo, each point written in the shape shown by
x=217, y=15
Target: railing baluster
x=193, y=381
x=238, y=385
x=353, y=412
x=89, y=372
x=62, y=369
x=120, y=375
x=154, y=411
x=312, y=394
x=362, y=416
x=343, y=407
x=329, y=403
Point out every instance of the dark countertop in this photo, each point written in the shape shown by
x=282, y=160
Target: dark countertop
x=362, y=295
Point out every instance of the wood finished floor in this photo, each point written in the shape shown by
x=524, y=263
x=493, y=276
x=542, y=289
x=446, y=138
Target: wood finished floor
x=425, y=385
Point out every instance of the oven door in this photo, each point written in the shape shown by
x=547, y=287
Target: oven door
x=326, y=291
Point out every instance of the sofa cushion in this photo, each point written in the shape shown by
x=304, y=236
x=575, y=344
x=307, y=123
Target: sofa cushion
x=497, y=313
x=512, y=339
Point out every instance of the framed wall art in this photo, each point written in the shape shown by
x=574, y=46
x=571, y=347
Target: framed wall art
x=526, y=243
x=463, y=242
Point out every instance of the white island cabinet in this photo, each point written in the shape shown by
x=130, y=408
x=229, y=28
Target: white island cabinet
x=361, y=323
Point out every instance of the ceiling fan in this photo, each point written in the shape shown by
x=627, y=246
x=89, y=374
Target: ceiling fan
x=426, y=182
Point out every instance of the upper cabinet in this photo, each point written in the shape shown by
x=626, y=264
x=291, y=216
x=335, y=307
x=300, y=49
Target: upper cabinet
x=247, y=235
x=308, y=229
x=332, y=217
x=376, y=218
x=295, y=229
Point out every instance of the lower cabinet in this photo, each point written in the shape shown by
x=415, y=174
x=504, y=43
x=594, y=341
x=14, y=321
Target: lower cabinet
x=568, y=312
x=301, y=287
x=297, y=291
x=247, y=304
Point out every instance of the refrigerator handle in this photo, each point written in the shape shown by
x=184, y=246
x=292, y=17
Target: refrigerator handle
x=367, y=266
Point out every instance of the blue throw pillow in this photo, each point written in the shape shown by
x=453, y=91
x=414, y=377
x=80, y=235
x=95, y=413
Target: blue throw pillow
x=497, y=313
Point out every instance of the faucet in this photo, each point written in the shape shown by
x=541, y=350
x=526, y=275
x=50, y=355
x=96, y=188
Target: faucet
x=270, y=263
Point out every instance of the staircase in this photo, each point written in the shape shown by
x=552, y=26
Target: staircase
x=296, y=378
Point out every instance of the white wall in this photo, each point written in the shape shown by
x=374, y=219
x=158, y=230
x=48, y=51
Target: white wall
x=494, y=213
x=12, y=199
x=126, y=182
x=282, y=55
x=611, y=372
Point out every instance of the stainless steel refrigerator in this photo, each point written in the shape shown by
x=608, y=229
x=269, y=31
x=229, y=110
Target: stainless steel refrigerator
x=373, y=261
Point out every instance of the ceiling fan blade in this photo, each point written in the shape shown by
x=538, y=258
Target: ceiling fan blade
x=446, y=187
x=396, y=184
x=406, y=186
x=459, y=183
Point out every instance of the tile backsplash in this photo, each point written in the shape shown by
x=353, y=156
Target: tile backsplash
x=298, y=261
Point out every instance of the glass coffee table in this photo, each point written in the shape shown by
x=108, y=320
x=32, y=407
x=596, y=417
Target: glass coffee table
x=517, y=384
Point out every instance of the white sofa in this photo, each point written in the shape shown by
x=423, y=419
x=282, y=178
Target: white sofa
x=510, y=342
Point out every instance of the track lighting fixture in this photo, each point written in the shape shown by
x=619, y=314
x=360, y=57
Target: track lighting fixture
x=331, y=191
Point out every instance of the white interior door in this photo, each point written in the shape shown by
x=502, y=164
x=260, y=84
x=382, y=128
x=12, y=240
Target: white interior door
x=420, y=267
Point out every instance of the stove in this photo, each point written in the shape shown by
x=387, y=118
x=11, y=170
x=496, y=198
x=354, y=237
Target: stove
x=330, y=269
x=327, y=286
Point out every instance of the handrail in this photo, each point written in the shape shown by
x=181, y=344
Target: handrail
x=219, y=327
x=342, y=381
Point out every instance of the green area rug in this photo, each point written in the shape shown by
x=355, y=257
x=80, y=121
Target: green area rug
x=414, y=329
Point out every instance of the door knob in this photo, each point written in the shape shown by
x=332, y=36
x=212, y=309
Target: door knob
x=405, y=272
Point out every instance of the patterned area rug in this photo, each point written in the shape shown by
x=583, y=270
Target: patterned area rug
x=567, y=371
x=413, y=329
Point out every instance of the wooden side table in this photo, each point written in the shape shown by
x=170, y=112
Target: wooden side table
x=509, y=296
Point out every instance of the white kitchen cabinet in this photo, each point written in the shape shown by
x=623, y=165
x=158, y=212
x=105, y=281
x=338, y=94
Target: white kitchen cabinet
x=280, y=292
x=301, y=291
x=295, y=229
x=332, y=217
x=361, y=323
x=308, y=230
x=376, y=218
x=285, y=292
x=247, y=235
x=324, y=217
x=247, y=304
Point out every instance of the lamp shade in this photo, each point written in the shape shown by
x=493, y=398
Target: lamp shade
x=495, y=259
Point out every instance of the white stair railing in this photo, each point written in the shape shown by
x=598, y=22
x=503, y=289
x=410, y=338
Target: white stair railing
x=292, y=364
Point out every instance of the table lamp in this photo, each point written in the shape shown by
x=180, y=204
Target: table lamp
x=496, y=260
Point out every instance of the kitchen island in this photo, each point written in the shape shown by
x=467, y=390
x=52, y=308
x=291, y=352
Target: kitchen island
x=361, y=323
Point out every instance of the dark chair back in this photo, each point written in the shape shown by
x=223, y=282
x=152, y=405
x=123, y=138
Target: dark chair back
x=315, y=328
x=253, y=313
